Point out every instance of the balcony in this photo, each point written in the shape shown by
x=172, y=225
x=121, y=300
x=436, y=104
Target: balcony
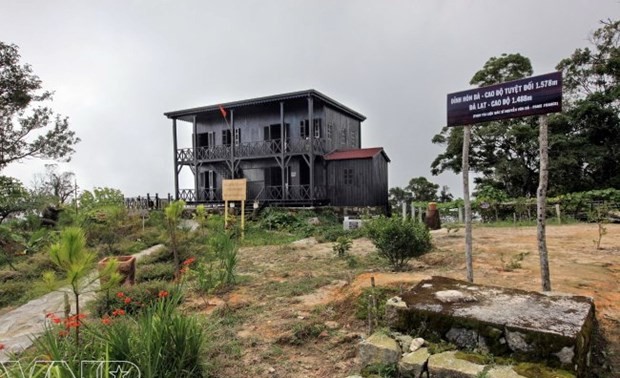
x=256, y=191
x=253, y=150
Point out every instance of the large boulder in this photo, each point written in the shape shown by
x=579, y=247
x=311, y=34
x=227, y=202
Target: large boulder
x=379, y=349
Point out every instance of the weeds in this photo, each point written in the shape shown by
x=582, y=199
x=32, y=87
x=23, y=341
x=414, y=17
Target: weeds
x=514, y=263
x=342, y=246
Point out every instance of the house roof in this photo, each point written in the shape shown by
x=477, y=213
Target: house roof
x=361, y=153
x=181, y=114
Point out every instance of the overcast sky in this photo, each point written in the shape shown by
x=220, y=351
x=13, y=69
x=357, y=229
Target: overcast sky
x=117, y=66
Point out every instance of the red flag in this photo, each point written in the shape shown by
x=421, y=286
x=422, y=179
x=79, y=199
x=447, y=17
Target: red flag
x=223, y=111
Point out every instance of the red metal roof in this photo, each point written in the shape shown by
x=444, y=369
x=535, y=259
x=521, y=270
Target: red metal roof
x=361, y=153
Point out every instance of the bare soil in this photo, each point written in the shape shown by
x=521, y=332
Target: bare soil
x=293, y=312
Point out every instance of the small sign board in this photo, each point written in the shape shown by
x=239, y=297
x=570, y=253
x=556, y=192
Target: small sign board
x=234, y=190
x=519, y=98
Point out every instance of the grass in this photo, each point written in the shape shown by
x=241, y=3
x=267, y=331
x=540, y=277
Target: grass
x=296, y=287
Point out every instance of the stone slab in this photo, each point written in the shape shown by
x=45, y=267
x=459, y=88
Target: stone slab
x=446, y=365
x=528, y=326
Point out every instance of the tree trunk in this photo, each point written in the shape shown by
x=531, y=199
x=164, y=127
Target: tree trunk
x=467, y=203
x=541, y=206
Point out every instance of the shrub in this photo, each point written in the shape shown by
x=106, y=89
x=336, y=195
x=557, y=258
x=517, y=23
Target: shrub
x=342, y=246
x=158, y=271
x=13, y=291
x=133, y=299
x=398, y=241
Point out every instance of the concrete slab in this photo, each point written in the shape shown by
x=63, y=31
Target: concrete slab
x=528, y=326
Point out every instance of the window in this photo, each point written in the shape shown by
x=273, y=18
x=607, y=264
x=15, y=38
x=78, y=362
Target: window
x=343, y=136
x=348, y=176
x=237, y=137
x=317, y=128
x=353, y=133
x=303, y=129
x=225, y=137
x=330, y=128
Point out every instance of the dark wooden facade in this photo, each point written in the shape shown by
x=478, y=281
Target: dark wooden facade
x=269, y=141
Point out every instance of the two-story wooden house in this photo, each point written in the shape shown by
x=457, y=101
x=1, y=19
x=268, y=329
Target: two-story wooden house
x=286, y=158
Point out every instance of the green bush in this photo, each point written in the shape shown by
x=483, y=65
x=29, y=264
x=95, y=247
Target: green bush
x=398, y=241
x=158, y=271
x=342, y=246
x=162, y=342
x=133, y=299
x=13, y=291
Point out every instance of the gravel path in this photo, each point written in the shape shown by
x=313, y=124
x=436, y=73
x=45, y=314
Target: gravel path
x=19, y=326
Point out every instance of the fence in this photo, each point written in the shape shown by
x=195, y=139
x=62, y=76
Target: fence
x=147, y=202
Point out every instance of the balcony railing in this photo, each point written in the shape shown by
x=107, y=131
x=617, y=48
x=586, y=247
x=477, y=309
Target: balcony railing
x=256, y=149
x=257, y=191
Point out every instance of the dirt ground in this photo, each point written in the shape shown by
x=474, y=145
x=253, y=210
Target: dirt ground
x=293, y=312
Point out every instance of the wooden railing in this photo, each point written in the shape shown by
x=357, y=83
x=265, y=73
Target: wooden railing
x=253, y=149
x=257, y=191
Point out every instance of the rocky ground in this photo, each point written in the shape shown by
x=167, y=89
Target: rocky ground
x=293, y=312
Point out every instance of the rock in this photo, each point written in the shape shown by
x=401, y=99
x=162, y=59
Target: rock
x=447, y=365
x=314, y=221
x=271, y=370
x=403, y=340
x=413, y=364
x=454, y=296
x=463, y=338
x=516, y=341
x=355, y=376
x=331, y=324
x=502, y=372
x=416, y=344
x=379, y=348
x=566, y=355
x=392, y=308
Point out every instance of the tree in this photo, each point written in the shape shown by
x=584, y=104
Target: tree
x=14, y=198
x=588, y=148
x=77, y=262
x=503, y=152
x=57, y=185
x=398, y=196
x=422, y=190
x=445, y=195
x=28, y=128
x=174, y=211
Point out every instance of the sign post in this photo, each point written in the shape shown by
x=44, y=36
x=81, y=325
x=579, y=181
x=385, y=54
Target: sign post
x=235, y=190
x=536, y=95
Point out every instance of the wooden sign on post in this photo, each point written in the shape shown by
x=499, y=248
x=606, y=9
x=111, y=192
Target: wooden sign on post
x=536, y=95
x=235, y=190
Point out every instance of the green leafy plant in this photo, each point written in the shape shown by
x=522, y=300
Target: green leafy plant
x=342, y=246
x=599, y=215
x=200, y=216
x=173, y=212
x=398, y=240
x=77, y=263
x=514, y=263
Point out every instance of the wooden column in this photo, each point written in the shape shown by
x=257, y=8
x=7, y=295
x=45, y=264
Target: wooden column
x=176, y=159
x=232, y=144
x=282, y=165
x=542, y=205
x=311, y=132
x=467, y=204
x=195, y=147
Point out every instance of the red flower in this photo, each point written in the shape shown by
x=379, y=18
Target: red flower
x=127, y=300
x=118, y=312
x=53, y=317
x=2, y=346
x=183, y=270
x=106, y=320
x=163, y=293
x=189, y=261
x=120, y=294
x=62, y=333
